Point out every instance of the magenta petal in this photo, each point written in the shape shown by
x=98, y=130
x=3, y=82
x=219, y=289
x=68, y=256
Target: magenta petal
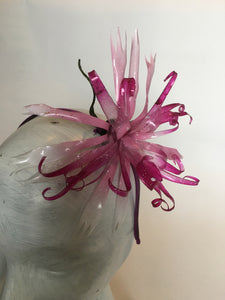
x=162, y=97
x=94, y=164
x=157, y=202
x=71, y=181
x=81, y=160
x=164, y=132
x=125, y=168
x=148, y=172
x=107, y=104
x=56, y=196
x=116, y=190
x=188, y=180
x=172, y=169
x=160, y=201
x=126, y=101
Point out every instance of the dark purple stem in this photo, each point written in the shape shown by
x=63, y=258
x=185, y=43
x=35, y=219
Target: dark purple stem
x=136, y=207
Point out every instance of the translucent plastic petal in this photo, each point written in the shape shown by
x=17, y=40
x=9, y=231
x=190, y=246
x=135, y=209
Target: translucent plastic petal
x=150, y=71
x=126, y=101
x=119, y=61
x=76, y=116
x=134, y=66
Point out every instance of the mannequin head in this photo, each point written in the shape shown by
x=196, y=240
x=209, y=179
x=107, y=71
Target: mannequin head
x=70, y=238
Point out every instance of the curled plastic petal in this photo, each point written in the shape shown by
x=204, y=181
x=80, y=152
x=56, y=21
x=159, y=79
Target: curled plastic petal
x=165, y=92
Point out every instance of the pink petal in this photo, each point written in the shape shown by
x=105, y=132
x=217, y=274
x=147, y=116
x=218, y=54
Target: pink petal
x=134, y=67
x=160, y=201
x=167, y=152
x=76, y=116
x=94, y=160
x=165, y=92
x=125, y=101
x=80, y=160
x=150, y=71
x=107, y=104
x=148, y=172
x=125, y=107
x=119, y=61
x=150, y=68
x=188, y=180
x=164, y=132
x=98, y=197
x=125, y=171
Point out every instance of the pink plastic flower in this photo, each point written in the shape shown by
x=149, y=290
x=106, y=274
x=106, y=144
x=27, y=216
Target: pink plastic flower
x=124, y=143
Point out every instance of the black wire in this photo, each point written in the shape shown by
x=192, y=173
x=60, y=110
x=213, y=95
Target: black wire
x=91, y=110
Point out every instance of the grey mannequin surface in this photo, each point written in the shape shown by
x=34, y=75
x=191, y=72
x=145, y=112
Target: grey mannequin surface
x=47, y=250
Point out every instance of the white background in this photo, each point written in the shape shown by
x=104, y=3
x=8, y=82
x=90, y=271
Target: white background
x=182, y=255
